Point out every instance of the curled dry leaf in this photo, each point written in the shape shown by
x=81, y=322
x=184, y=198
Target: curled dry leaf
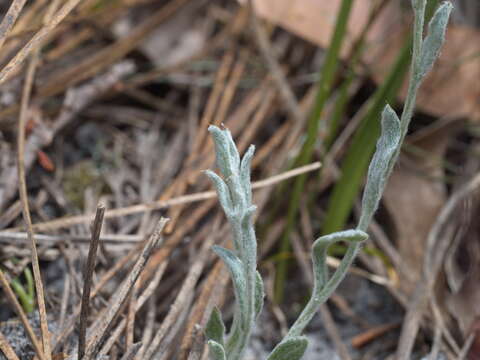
x=462, y=272
x=417, y=183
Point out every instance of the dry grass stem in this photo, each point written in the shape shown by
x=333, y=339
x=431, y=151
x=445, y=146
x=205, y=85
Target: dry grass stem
x=466, y=347
x=132, y=352
x=149, y=324
x=163, y=204
x=229, y=92
x=438, y=241
x=101, y=329
x=22, y=237
x=130, y=327
x=212, y=102
x=22, y=122
x=145, y=295
x=88, y=279
x=372, y=334
x=199, y=310
x=9, y=19
x=7, y=349
x=37, y=40
x=274, y=68
x=21, y=314
x=65, y=301
x=182, y=297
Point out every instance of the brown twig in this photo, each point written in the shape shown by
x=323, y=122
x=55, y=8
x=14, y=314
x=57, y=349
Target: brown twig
x=10, y=18
x=165, y=352
x=25, y=207
x=101, y=283
x=199, y=310
x=37, y=40
x=146, y=294
x=442, y=328
x=162, y=204
x=267, y=52
x=132, y=352
x=371, y=334
x=257, y=120
x=64, y=303
x=7, y=349
x=21, y=314
x=149, y=324
x=333, y=332
x=437, y=244
x=229, y=91
x=130, y=326
x=199, y=346
x=116, y=303
x=212, y=102
x=22, y=237
x=88, y=278
x=182, y=297
x=464, y=351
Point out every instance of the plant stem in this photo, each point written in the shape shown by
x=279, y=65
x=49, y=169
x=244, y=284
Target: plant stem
x=324, y=86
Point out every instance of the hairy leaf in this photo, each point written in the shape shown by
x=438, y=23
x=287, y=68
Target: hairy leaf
x=245, y=173
x=319, y=254
x=222, y=190
x=228, y=159
x=259, y=294
x=381, y=164
x=216, y=351
x=215, y=329
x=237, y=273
x=290, y=349
x=436, y=36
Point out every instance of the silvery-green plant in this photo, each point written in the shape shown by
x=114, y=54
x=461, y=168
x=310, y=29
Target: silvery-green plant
x=235, y=196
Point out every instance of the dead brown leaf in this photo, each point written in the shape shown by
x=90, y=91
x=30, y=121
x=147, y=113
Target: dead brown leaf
x=452, y=89
x=462, y=272
x=416, y=193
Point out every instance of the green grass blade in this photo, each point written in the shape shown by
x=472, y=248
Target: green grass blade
x=363, y=144
x=324, y=85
